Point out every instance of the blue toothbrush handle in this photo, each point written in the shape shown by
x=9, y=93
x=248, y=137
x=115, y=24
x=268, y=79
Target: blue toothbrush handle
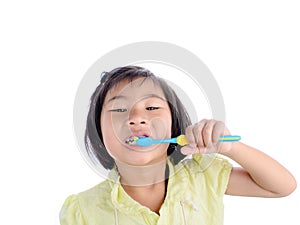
x=229, y=138
x=169, y=140
x=145, y=141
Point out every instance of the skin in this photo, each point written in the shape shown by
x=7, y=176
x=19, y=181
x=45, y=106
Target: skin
x=142, y=172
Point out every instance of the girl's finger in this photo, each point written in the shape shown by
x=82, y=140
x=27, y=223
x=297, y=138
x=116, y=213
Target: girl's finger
x=197, y=132
x=219, y=130
x=190, y=136
x=207, y=133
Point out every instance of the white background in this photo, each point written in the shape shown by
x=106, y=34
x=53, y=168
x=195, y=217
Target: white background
x=252, y=48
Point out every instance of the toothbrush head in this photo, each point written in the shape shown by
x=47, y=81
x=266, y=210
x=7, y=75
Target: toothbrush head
x=131, y=140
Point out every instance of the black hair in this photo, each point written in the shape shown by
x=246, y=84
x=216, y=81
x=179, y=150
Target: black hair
x=93, y=134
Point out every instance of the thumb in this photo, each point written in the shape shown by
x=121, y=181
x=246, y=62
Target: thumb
x=187, y=150
x=191, y=149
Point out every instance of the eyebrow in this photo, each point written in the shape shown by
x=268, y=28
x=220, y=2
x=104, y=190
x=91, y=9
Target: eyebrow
x=144, y=97
x=116, y=97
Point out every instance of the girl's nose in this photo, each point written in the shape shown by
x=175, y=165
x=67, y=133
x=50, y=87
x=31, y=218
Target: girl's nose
x=137, y=117
x=137, y=122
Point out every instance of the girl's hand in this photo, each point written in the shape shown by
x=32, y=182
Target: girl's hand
x=203, y=138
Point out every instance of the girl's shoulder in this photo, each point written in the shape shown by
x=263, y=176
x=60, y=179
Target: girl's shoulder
x=78, y=208
x=210, y=170
x=100, y=190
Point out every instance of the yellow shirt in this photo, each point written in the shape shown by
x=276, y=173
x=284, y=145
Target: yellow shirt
x=194, y=196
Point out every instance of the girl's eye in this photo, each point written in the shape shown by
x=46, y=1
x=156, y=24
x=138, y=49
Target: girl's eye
x=152, y=108
x=119, y=110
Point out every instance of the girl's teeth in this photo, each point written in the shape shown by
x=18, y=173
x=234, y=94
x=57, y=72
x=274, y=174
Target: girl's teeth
x=131, y=140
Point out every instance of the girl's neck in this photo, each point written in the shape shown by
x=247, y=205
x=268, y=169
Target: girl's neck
x=142, y=176
x=146, y=185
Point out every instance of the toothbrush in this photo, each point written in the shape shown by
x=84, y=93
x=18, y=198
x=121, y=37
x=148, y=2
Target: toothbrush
x=180, y=140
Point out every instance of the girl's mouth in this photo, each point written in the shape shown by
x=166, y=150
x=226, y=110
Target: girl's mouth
x=131, y=143
x=132, y=139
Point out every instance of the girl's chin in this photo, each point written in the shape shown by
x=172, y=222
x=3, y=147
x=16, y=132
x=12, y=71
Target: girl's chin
x=135, y=155
x=141, y=160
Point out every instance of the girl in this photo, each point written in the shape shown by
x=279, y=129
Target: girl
x=159, y=184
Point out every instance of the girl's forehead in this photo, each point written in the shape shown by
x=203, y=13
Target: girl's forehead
x=135, y=88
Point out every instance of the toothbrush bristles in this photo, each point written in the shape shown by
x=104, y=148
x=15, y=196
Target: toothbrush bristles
x=131, y=140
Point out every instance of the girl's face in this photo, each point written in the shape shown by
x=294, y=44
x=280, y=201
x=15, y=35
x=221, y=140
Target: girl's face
x=137, y=108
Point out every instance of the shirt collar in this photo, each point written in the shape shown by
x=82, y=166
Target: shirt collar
x=176, y=188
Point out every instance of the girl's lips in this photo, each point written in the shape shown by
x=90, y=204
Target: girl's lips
x=141, y=134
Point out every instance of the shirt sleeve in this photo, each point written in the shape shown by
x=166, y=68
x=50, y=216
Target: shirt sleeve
x=70, y=213
x=216, y=170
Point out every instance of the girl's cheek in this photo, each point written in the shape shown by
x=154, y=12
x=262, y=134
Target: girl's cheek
x=160, y=128
x=109, y=124
x=119, y=126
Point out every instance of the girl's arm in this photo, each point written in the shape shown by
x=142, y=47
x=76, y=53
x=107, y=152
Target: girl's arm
x=259, y=176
